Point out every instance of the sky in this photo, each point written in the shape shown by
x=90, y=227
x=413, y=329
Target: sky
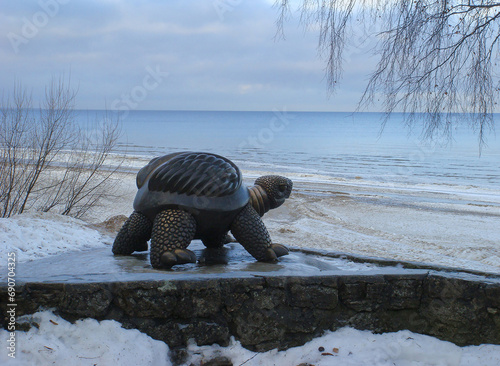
x=172, y=55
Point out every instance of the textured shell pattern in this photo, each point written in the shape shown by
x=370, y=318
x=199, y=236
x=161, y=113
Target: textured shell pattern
x=196, y=174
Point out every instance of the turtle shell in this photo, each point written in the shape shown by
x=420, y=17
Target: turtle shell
x=192, y=181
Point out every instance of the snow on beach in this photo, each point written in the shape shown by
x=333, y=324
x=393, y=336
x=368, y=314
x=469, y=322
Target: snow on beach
x=446, y=225
x=439, y=225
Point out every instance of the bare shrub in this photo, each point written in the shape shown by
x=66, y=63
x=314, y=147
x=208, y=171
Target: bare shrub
x=47, y=161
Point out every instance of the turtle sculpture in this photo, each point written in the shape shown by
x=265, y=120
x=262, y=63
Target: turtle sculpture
x=192, y=195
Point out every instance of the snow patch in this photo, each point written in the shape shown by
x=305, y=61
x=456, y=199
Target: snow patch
x=36, y=235
x=89, y=342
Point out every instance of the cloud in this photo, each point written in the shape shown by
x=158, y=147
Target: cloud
x=214, y=60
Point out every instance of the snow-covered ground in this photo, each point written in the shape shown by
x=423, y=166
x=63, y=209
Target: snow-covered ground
x=89, y=342
x=36, y=235
x=440, y=225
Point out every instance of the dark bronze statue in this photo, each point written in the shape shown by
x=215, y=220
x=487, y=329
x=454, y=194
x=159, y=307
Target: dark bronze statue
x=189, y=195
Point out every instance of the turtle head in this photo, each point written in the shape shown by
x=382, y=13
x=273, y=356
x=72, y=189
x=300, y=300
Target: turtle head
x=277, y=188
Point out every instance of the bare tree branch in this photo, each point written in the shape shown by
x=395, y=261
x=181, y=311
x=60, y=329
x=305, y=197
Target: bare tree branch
x=438, y=59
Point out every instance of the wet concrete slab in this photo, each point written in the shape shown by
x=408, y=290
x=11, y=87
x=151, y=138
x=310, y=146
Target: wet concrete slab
x=232, y=261
x=100, y=265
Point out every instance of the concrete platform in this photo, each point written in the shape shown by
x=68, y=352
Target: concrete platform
x=100, y=265
x=263, y=305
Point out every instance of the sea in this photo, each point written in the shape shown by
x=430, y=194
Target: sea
x=342, y=146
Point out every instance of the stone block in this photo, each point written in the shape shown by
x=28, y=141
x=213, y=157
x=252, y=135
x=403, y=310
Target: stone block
x=312, y=296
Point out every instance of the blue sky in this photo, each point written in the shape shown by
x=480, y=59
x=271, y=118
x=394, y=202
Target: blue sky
x=172, y=55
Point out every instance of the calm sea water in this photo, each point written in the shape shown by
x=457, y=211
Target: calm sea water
x=338, y=145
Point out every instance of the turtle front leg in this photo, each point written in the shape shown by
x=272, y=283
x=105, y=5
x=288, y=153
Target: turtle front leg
x=173, y=231
x=134, y=235
x=251, y=232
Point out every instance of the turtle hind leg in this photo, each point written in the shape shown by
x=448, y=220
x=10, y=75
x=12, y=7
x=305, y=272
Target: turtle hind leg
x=251, y=232
x=134, y=235
x=173, y=231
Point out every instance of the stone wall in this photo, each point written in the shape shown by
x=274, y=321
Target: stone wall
x=265, y=312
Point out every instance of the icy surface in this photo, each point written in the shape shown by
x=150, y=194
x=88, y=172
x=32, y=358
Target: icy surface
x=100, y=265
